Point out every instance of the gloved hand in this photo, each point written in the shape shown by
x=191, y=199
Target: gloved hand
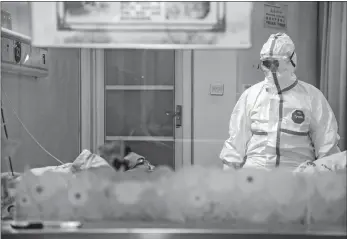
x=333, y=163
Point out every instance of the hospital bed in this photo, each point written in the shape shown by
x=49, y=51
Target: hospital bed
x=122, y=230
x=329, y=227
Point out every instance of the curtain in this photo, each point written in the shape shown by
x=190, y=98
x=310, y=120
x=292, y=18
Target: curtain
x=332, y=50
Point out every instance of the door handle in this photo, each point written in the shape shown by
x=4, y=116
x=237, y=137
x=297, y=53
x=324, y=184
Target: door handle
x=177, y=114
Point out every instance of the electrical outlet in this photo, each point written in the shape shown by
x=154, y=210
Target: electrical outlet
x=216, y=89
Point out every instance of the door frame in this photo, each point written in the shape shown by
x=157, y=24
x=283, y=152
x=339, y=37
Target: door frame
x=93, y=97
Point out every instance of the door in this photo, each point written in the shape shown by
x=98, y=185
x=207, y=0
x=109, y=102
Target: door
x=142, y=97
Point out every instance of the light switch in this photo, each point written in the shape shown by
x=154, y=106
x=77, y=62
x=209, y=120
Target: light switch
x=216, y=89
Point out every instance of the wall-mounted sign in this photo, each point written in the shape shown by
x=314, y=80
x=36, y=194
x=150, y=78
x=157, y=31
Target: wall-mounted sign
x=142, y=24
x=275, y=16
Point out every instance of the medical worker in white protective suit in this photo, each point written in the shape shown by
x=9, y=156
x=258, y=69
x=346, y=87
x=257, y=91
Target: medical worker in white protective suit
x=281, y=121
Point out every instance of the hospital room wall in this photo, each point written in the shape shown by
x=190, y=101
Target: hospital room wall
x=233, y=68
x=48, y=107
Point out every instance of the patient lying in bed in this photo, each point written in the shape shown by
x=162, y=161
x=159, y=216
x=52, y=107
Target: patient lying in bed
x=112, y=153
x=106, y=163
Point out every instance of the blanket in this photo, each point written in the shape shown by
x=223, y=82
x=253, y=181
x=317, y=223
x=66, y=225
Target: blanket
x=137, y=165
x=85, y=161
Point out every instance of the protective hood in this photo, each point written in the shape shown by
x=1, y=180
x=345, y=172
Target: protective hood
x=279, y=48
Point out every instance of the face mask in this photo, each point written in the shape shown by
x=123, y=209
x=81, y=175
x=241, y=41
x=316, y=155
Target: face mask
x=278, y=70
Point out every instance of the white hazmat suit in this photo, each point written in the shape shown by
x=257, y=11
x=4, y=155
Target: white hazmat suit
x=281, y=121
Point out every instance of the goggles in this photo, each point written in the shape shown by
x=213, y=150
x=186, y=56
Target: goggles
x=273, y=63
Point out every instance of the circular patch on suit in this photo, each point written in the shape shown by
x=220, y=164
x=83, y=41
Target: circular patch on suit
x=298, y=116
